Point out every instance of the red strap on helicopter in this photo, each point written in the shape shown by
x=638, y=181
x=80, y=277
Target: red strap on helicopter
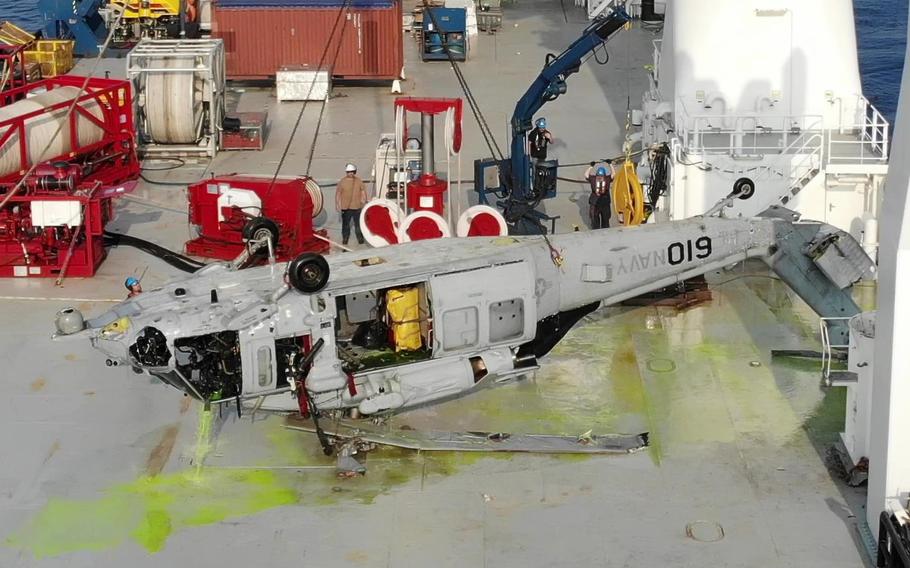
x=303, y=402
x=352, y=389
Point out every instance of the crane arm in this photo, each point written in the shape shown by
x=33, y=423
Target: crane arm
x=550, y=84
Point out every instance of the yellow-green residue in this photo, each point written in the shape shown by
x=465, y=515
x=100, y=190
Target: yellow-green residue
x=203, y=438
x=387, y=467
x=827, y=418
x=149, y=509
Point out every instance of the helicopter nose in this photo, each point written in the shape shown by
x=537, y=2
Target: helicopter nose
x=69, y=321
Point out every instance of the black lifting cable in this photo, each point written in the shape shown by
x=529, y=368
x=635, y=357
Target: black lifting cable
x=485, y=129
x=312, y=152
x=287, y=147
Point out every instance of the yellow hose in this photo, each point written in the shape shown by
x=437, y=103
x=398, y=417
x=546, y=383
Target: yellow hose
x=628, y=197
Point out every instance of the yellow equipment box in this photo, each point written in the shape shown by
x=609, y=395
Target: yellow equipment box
x=403, y=307
x=55, y=56
x=11, y=34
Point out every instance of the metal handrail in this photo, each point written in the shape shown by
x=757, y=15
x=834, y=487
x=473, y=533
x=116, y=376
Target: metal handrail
x=742, y=125
x=827, y=346
x=814, y=158
x=874, y=136
x=655, y=61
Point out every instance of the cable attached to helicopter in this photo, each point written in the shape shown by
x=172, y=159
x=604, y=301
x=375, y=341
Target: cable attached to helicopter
x=660, y=173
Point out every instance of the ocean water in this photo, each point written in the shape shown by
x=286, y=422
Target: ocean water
x=881, y=29
x=881, y=34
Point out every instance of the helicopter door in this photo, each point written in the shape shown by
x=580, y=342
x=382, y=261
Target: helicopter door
x=259, y=364
x=483, y=307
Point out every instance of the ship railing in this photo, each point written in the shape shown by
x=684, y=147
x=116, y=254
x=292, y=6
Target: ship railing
x=750, y=134
x=655, y=62
x=864, y=139
x=807, y=162
x=827, y=346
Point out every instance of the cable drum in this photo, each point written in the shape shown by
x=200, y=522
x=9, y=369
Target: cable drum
x=40, y=129
x=315, y=196
x=450, y=132
x=173, y=101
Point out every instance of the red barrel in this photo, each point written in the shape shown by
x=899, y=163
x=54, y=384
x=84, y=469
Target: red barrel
x=427, y=193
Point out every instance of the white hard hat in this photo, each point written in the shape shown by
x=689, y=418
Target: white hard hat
x=350, y=168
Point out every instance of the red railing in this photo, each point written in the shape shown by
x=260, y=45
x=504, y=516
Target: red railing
x=111, y=160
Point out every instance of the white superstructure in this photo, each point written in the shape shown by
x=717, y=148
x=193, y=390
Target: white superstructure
x=769, y=92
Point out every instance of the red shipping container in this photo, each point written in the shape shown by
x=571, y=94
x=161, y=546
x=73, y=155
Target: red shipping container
x=258, y=40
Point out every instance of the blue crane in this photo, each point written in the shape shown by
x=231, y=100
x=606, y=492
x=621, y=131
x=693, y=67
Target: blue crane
x=79, y=20
x=520, y=191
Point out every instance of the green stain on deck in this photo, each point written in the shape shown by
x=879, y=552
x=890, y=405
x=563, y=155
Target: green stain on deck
x=685, y=377
x=827, y=418
x=148, y=510
x=153, y=530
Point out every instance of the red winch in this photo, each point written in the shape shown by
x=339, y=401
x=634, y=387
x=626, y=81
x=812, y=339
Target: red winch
x=230, y=210
x=52, y=221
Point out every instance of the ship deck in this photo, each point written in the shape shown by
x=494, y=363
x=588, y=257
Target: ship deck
x=106, y=468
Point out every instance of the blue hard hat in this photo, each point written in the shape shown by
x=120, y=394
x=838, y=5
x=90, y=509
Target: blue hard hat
x=601, y=171
x=541, y=123
x=130, y=282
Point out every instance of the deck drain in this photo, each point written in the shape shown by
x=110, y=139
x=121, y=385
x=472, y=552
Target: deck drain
x=705, y=531
x=661, y=365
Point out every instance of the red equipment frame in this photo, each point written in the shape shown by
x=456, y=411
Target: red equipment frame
x=432, y=106
x=428, y=187
x=286, y=202
x=90, y=175
x=14, y=57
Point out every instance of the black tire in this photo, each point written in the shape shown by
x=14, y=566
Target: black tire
x=308, y=273
x=744, y=188
x=260, y=227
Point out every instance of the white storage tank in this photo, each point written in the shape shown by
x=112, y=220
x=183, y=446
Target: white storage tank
x=40, y=129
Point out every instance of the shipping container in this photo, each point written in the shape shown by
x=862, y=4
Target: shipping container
x=356, y=39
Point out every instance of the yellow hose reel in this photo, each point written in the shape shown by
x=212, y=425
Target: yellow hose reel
x=628, y=197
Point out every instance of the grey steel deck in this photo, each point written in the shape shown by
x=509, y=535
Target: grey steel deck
x=738, y=438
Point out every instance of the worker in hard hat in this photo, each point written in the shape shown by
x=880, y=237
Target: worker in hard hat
x=132, y=284
x=538, y=140
x=599, y=201
x=350, y=197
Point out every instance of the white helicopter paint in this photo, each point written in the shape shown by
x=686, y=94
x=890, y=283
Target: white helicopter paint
x=490, y=307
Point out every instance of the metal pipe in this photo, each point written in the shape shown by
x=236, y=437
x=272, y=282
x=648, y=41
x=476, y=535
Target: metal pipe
x=188, y=384
x=426, y=133
x=258, y=394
